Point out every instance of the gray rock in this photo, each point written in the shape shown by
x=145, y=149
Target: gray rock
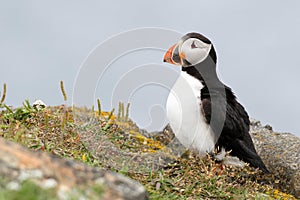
x=18, y=163
x=281, y=154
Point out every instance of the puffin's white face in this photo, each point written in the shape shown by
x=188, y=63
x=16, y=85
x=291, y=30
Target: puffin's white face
x=193, y=51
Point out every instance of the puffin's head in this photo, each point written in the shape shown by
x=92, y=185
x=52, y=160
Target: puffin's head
x=192, y=49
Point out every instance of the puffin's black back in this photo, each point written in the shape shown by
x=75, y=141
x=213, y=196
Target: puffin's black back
x=235, y=133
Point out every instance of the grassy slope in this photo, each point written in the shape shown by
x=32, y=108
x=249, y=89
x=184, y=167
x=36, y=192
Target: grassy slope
x=74, y=133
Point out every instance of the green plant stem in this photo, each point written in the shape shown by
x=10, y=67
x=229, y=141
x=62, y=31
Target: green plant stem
x=63, y=90
x=4, y=94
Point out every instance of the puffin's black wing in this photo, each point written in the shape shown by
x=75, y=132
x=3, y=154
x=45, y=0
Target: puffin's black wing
x=235, y=133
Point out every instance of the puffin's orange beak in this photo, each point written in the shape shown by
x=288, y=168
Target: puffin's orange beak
x=172, y=57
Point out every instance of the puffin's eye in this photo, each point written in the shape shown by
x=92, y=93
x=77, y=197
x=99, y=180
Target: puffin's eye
x=193, y=46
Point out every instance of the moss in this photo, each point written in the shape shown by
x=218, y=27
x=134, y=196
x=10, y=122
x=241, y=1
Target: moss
x=98, y=190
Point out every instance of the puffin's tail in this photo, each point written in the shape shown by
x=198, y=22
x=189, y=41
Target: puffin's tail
x=247, y=153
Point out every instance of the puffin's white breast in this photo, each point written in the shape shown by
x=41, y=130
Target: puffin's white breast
x=185, y=117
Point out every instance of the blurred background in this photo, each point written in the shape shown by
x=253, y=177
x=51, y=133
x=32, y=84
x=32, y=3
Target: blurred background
x=43, y=42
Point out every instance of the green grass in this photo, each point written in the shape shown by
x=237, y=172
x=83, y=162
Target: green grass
x=28, y=190
x=75, y=133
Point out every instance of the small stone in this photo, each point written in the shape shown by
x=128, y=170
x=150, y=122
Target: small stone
x=13, y=185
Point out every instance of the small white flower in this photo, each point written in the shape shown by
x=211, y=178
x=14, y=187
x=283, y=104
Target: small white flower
x=39, y=105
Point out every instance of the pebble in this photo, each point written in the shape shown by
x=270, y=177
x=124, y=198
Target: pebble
x=49, y=183
x=27, y=174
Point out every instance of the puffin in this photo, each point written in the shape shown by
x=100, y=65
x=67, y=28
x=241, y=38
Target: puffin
x=203, y=112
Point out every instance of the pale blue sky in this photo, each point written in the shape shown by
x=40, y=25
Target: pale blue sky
x=257, y=42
